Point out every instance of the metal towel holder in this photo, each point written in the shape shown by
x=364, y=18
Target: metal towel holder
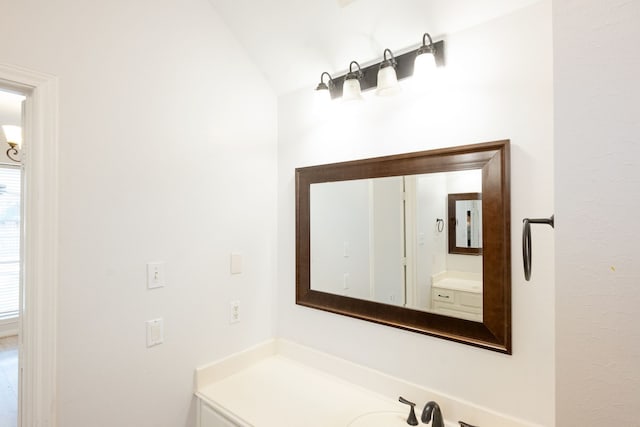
x=526, y=241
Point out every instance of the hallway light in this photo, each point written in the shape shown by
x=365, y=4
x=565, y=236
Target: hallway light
x=13, y=135
x=386, y=74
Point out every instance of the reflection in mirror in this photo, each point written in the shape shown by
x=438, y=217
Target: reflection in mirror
x=357, y=239
x=377, y=239
x=371, y=242
x=468, y=216
x=465, y=223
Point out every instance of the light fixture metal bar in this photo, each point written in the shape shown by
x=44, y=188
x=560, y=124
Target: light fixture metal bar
x=404, y=69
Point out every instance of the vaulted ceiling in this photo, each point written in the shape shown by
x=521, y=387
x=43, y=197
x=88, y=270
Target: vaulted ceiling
x=293, y=41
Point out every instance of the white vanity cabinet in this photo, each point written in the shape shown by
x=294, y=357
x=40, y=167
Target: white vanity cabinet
x=207, y=417
x=457, y=303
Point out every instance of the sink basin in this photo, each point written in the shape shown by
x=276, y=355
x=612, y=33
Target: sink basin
x=385, y=419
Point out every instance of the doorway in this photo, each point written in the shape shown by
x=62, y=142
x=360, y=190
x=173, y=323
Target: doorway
x=11, y=260
x=39, y=243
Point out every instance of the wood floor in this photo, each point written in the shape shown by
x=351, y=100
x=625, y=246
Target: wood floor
x=9, y=381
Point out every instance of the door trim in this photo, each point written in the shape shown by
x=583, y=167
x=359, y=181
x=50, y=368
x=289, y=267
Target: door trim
x=40, y=265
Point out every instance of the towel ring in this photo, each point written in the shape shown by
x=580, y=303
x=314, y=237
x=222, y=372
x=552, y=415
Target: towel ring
x=526, y=241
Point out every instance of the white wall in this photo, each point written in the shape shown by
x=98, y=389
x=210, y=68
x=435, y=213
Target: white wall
x=498, y=85
x=339, y=235
x=388, y=239
x=161, y=158
x=597, y=147
x=356, y=238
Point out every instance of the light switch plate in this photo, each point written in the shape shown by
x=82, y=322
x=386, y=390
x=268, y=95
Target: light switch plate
x=236, y=263
x=155, y=275
x=155, y=332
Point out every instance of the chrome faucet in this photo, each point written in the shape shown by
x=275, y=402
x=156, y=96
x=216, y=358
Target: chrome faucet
x=432, y=409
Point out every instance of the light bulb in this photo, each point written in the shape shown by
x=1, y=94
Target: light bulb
x=351, y=90
x=425, y=63
x=424, y=66
x=387, y=82
x=322, y=94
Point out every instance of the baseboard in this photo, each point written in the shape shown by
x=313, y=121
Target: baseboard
x=8, y=327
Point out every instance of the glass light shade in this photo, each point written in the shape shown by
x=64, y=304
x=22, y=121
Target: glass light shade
x=425, y=65
x=13, y=134
x=351, y=90
x=387, y=82
x=322, y=95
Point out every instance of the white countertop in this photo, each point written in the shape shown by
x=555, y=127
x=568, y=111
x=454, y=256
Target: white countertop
x=280, y=392
x=456, y=284
x=458, y=281
x=280, y=383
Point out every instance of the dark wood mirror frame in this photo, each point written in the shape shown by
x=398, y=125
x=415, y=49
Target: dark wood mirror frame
x=452, y=214
x=494, y=333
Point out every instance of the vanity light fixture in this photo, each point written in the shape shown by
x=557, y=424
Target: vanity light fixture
x=385, y=74
x=351, y=87
x=425, y=62
x=387, y=78
x=13, y=135
x=323, y=90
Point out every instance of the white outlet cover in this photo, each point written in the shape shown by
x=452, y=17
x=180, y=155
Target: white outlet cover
x=155, y=332
x=234, y=312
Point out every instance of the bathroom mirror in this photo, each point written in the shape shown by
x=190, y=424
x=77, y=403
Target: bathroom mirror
x=465, y=223
x=329, y=242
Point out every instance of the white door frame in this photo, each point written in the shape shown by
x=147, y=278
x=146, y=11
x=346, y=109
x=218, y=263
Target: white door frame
x=40, y=271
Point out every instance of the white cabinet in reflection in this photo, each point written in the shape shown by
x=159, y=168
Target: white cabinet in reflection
x=457, y=295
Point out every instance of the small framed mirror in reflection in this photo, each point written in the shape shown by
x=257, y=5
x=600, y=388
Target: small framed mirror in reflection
x=465, y=223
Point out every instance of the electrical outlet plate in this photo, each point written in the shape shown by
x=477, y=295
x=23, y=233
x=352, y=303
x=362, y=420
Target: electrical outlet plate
x=234, y=312
x=155, y=332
